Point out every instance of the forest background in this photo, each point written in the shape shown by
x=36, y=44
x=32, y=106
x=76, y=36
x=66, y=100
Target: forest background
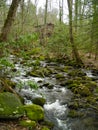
x=69, y=28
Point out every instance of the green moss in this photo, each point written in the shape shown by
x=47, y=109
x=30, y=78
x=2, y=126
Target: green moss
x=10, y=106
x=91, y=85
x=59, y=76
x=34, y=112
x=34, y=74
x=36, y=63
x=74, y=114
x=40, y=72
x=96, y=90
x=67, y=68
x=45, y=128
x=82, y=90
x=91, y=100
x=75, y=73
x=28, y=123
x=73, y=105
x=72, y=86
x=39, y=101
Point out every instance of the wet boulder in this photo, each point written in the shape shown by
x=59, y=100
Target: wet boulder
x=34, y=112
x=82, y=90
x=77, y=73
x=28, y=123
x=94, y=72
x=39, y=101
x=10, y=106
x=40, y=72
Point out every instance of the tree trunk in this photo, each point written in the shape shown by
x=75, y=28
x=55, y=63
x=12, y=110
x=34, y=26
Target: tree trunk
x=76, y=14
x=9, y=21
x=95, y=26
x=75, y=53
x=60, y=11
x=45, y=18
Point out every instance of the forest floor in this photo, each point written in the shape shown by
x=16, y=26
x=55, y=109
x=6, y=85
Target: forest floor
x=11, y=125
x=90, y=61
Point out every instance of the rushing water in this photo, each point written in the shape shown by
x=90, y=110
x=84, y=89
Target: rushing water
x=57, y=98
x=56, y=109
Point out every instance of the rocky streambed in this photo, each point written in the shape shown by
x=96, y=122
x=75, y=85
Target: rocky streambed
x=69, y=95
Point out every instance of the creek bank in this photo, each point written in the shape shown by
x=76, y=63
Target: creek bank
x=12, y=109
x=82, y=87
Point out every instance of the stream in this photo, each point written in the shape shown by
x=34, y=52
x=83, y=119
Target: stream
x=57, y=97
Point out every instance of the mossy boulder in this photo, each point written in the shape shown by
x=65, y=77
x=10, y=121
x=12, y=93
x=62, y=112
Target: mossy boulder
x=45, y=128
x=73, y=114
x=60, y=76
x=48, y=85
x=10, y=106
x=28, y=123
x=76, y=73
x=67, y=68
x=39, y=101
x=82, y=90
x=73, y=105
x=91, y=85
x=34, y=112
x=40, y=72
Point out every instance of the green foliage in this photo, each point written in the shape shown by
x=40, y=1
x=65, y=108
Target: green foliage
x=32, y=84
x=28, y=38
x=59, y=42
x=25, y=42
x=29, y=83
x=4, y=62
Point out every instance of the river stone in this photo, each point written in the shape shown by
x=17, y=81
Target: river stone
x=9, y=106
x=28, y=123
x=39, y=101
x=34, y=112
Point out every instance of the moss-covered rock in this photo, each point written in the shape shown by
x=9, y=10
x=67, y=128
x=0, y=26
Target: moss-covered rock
x=45, y=128
x=91, y=85
x=77, y=72
x=74, y=114
x=28, y=123
x=91, y=99
x=73, y=105
x=34, y=112
x=10, y=106
x=59, y=76
x=82, y=90
x=39, y=101
x=40, y=72
x=48, y=85
x=67, y=68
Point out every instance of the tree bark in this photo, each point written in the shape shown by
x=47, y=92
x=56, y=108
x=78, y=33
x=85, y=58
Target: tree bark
x=46, y=7
x=9, y=21
x=76, y=14
x=75, y=53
